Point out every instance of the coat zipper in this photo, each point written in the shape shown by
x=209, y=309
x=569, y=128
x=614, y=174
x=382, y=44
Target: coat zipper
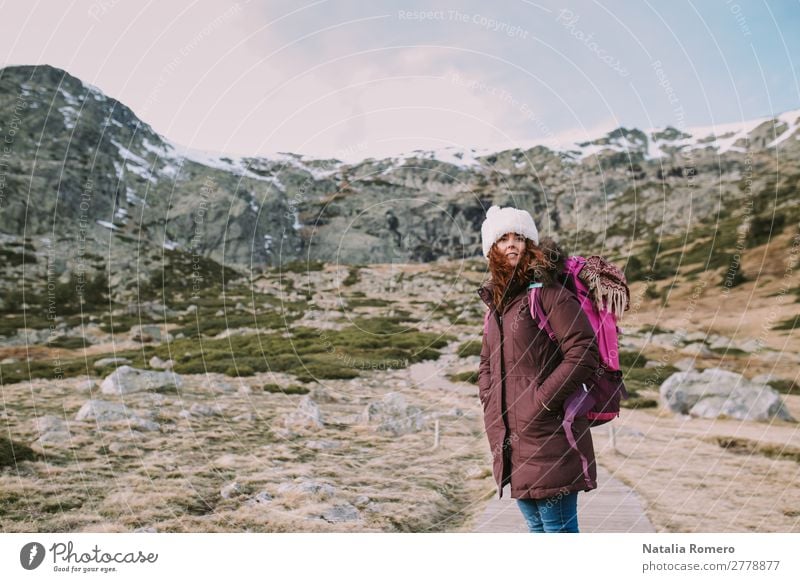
x=502, y=405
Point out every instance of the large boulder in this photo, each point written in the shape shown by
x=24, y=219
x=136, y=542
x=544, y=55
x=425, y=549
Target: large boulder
x=307, y=415
x=103, y=362
x=125, y=380
x=715, y=392
x=51, y=429
x=149, y=333
x=102, y=411
x=392, y=414
x=341, y=513
x=310, y=487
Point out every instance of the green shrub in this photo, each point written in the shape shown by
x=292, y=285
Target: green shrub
x=12, y=452
x=236, y=371
x=789, y=324
x=469, y=348
x=277, y=389
x=469, y=376
x=785, y=386
x=632, y=360
x=352, y=277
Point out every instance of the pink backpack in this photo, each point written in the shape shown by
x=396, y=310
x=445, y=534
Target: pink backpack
x=603, y=293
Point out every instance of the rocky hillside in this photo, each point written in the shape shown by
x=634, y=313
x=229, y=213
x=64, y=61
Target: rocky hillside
x=80, y=166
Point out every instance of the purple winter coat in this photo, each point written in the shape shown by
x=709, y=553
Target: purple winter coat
x=522, y=374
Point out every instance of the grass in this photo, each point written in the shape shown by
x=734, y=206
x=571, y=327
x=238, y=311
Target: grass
x=309, y=353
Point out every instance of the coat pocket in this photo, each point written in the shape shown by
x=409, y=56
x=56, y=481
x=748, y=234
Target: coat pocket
x=527, y=408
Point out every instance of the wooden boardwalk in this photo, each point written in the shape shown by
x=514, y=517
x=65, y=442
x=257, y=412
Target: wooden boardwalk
x=611, y=508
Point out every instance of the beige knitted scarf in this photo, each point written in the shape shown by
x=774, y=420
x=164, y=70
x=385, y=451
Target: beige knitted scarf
x=607, y=285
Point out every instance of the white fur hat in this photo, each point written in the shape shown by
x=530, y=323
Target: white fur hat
x=500, y=221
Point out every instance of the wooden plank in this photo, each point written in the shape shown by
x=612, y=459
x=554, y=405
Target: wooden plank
x=611, y=508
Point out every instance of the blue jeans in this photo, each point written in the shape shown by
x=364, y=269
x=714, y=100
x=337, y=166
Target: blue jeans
x=554, y=514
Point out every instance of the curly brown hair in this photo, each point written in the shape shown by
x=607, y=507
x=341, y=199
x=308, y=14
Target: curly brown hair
x=541, y=263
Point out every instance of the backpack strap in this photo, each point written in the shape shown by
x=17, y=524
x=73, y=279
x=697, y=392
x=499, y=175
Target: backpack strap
x=537, y=311
x=577, y=405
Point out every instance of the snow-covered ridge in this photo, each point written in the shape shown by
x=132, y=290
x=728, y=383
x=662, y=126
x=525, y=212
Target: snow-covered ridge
x=721, y=137
x=245, y=166
x=653, y=143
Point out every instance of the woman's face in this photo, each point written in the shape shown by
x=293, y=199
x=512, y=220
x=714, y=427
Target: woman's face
x=512, y=246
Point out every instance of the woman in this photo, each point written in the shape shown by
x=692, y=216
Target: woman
x=525, y=377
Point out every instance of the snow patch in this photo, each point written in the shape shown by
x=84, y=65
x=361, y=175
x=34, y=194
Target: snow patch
x=108, y=225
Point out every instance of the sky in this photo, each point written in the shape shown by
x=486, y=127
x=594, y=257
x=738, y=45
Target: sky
x=347, y=79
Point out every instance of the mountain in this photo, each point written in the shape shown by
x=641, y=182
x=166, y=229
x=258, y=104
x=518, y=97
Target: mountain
x=85, y=181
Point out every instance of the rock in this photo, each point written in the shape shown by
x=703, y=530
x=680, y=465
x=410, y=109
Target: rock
x=362, y=501
x=103, y=411
x=245, y=417
x=159, y=364
x=190, y=309
x=223, y=387
x=683, y=364
x=392, y=415
x=664, y=340
x=476, y=472
x=283, y=433
x=716, y=392
x=145, y=424
x=764, y=378
x=322, y=445
x=51, y=429
x=49, y=423
x=125, y=380
x=103, y=362
x=751, y=345
x=719, y=341
x=322, y=394
x=307, y=415
x=308, y=487
x=198, y=409
x=86, y=385
x=9, y=361
x=341, y=513
x=231, y=490
x=146, y=529
x=261, y=498
x=148, y=333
